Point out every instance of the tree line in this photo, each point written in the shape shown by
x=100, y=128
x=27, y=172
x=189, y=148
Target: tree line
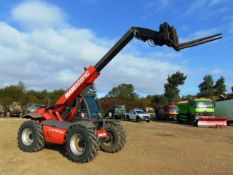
x=19, y=93
x=125, y=93
x=121, y=94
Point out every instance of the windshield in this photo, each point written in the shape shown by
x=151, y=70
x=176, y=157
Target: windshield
x=139, y=112
x=120, y=107
x=174, y=108
x=35, y=106
x=93, y=106
x=204, y=104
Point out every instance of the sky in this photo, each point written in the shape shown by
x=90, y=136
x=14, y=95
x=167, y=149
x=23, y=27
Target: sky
x=47, y=44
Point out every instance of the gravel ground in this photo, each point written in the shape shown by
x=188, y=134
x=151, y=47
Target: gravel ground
x=151, y=148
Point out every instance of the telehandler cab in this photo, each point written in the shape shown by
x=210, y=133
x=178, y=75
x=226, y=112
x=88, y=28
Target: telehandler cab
x=84, y=137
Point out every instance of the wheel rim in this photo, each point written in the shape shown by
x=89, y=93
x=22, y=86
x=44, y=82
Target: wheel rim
x=77, y=144
x=110, y=141
x=27, y=136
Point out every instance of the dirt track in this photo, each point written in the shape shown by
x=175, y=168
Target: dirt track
x=151, y=148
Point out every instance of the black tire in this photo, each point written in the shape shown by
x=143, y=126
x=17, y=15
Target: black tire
x=160, y=117
x=178, y=119
x=137, y=119
x=87, y=146
x=190, y=119
x=30, y=137
x=148, y=121
x=117, y=138
x=127, y=118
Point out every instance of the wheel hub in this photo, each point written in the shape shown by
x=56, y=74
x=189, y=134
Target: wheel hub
x=27, y=136
x=109, y=141
x=77, y=144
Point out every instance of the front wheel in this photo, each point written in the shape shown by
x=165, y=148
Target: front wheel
x=178, y=119
x=82, y=144
x=191, y=119
x=116, y=140
x=30, y=137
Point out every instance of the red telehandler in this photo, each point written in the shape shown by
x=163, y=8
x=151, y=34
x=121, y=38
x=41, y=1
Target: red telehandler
x=75, y=121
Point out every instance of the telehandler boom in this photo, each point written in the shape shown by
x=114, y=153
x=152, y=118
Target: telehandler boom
x=84, y=138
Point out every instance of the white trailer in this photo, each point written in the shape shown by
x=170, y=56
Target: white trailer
x=224, y=108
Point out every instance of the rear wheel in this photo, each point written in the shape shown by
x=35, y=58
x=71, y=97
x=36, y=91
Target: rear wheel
x=82, y=144
x=116, y=140
x=178, y=119
x=166, y=117
x=30, y=137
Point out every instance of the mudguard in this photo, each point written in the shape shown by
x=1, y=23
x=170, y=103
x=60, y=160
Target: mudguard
x=32, y=116
x=55, y=131
x=67, y=125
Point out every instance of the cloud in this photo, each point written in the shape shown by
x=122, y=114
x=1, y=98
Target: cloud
x=207, y=8
x=38, y=14
x=48, y=57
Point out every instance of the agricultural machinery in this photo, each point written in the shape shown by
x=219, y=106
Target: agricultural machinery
x=14, y=109
x=75, y=121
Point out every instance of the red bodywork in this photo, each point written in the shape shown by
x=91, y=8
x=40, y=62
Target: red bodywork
x=57, y=135
x=165, y=112
x=87, y=78
x=54, y=135
x=212, y=122
x=168, y=111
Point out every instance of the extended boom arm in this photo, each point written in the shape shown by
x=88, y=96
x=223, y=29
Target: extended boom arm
x=165, y=36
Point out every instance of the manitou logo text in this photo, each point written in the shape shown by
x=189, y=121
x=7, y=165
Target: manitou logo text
x=77, y=84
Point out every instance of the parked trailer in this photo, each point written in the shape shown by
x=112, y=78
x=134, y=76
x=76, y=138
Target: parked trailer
x=224, y=108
